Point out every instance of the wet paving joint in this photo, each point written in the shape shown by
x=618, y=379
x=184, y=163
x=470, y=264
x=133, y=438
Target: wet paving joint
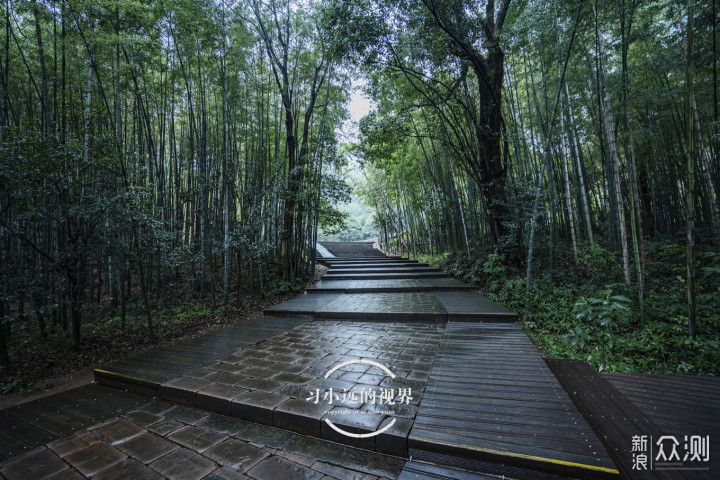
x=355, y=383
x=198, y=444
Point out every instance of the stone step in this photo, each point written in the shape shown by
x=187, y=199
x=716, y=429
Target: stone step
x=397, y=306
x=356, y=261
x=373, y=270
x=145, y=373
x=372, y=266
x=303, y=381
x=388, y=286
x=384, y=276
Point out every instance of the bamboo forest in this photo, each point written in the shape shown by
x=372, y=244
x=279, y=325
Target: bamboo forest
x=167, y=167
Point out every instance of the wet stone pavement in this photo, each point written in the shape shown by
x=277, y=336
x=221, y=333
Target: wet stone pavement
x=329, y=385
x=290, y=381
x=163, y=440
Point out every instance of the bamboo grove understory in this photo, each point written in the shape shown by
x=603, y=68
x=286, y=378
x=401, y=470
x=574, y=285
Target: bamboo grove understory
x=142, y=142
x=142, y=139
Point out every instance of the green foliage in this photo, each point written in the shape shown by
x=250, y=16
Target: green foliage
x=357, y=222
x=282, y=287
x=182, y=313
x=610, y=311
x=572, y=318
x=597, y=264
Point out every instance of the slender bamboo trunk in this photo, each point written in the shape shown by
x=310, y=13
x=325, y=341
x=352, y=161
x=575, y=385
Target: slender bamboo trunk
x=4, y=117
x=702, y=153
x=568, y=194
x=618, y=189
x=606, y=112
x=45, y=100
x=226, y=182
x=88, y=102
x=581, y=177
x=690, y=159
x=546, y=154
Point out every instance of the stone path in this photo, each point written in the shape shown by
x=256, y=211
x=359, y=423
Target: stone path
x=162, y=440
x=285, y=381
x=387, y=368
x=145, y=372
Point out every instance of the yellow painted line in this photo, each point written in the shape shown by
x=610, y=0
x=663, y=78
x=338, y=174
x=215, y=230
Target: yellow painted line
x=522, y=455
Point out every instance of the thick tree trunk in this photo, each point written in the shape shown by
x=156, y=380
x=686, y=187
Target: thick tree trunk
x=492, y=172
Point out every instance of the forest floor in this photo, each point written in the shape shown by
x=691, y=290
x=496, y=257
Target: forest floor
x=44, y=366
x=583, y=310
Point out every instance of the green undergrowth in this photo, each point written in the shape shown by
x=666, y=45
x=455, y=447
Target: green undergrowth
x=585, y=311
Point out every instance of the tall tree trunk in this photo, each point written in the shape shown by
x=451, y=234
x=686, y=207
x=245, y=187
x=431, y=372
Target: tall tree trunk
x=45, y=100
x=568, y=193
x=4, y=118
x=581, y=177
x=618, y=188
x=225, y=179
x=88, y=103
x=690, y=159
x=63, y=85
x=73, y=279
x=4, y=310
x=546, y=154
x=635, y=211
x=606, y=113
x=702, y=153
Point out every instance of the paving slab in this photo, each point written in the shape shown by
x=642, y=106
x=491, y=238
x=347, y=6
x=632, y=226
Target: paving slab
x=278, y=467
x=37, y=464
x=36, y=423
x=303, y=377
x=147, y=447
x=389, y=286
x=144, y=373
x=219, y=448
x=414, y=470
x=94, y=458
x=358, y=275
x=302, y=305
x=473, y=306
x=414, y=306
x=337, y=267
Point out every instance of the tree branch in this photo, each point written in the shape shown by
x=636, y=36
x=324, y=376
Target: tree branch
x=500, y=20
